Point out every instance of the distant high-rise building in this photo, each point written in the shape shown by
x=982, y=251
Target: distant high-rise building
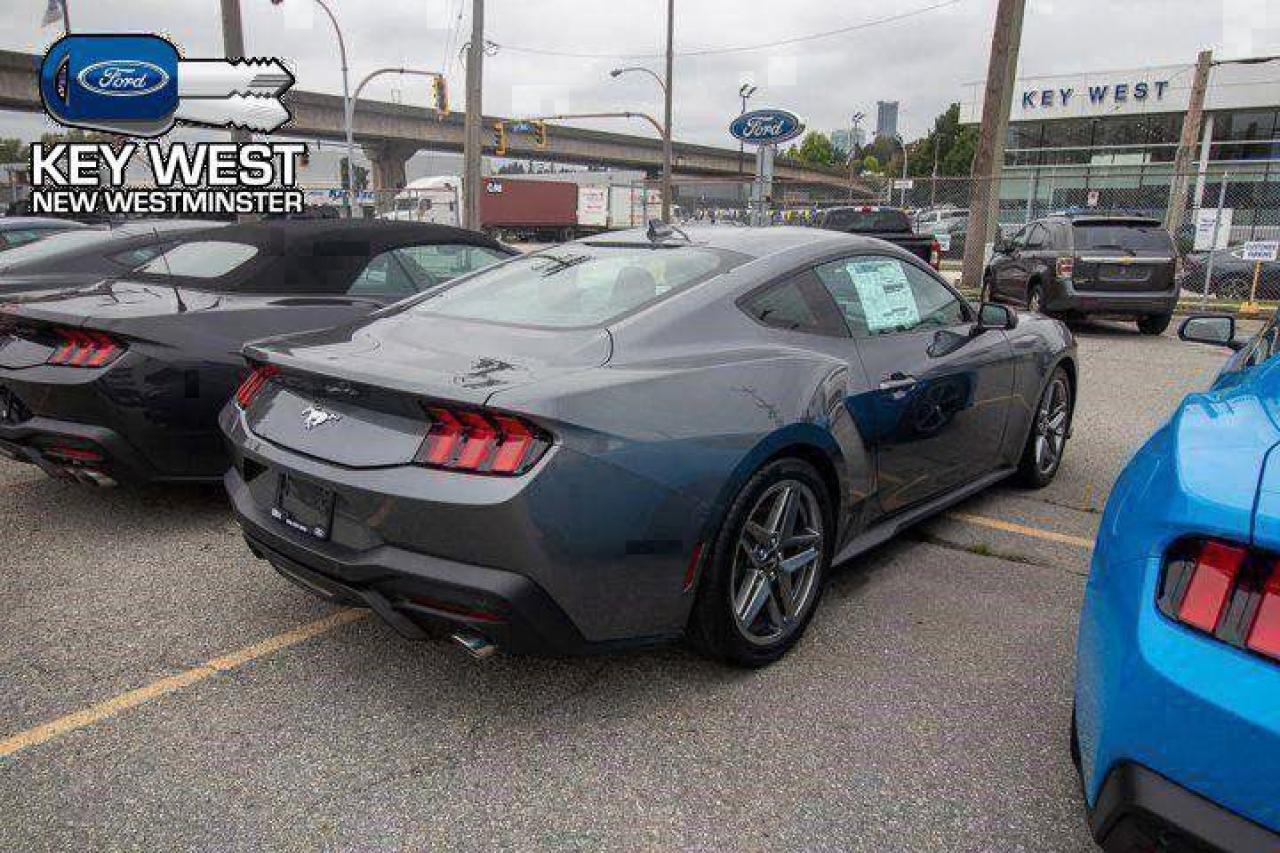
x=842, y=141
x=886, y=118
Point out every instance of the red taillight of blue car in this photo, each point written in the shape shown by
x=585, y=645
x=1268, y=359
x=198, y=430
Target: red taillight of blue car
x=1225, y=590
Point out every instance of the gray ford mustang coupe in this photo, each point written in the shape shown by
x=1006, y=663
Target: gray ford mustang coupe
x=638, y=436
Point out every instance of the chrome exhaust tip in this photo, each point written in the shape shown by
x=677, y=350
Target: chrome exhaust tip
x=98, y=479
x=476, y=644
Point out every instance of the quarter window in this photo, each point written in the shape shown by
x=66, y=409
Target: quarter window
x=201, y=259
x=879, y=295
x=795, y=305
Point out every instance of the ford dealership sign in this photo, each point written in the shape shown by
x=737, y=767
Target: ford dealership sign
x=766, y=127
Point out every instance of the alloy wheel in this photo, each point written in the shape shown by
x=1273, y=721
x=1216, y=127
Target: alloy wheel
x=776, y=561
x=1051, y=425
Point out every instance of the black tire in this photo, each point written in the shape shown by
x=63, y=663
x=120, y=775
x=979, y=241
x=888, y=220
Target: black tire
x=714, y=627
x=1075, y=740
x=1155, y=324
x=1033, y=472
x=1035, y=299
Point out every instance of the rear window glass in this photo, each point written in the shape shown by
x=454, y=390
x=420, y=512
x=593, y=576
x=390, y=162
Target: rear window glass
x=1139, y=238
x=32, y=255
x=868, y=220
x=577, y=284
x=200, y=259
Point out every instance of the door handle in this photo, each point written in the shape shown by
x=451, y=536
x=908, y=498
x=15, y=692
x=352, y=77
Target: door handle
x=897, y=382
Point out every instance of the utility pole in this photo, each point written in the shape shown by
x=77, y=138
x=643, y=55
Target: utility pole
x=472, y=151
x=988, y=160
x=1191, y=122
x=666, y=119
x=233, y=48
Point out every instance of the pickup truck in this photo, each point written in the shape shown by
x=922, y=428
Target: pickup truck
x=890, y=224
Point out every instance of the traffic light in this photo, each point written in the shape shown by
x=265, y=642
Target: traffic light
x=440, y=93
x=540, y=129
x=499, y=138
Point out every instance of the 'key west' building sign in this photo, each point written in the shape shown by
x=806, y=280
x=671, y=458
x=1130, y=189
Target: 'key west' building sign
x=1098, y=94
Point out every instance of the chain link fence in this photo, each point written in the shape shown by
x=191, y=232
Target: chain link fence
x=1224, y=210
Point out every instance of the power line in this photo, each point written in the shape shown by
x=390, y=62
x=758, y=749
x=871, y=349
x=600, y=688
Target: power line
x=718, y=51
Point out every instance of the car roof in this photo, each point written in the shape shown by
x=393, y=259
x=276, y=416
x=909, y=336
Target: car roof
x=1100, y=216
x=755, y=242
x=302, y=236
x=9, y=223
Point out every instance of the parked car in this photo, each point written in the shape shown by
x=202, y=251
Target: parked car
x=124, y=380
x=891, y=224
x=635, y=437
x=1232, y=275
x=925, y=221
x=19, y=230
x=1178, y=664
x=950, y=235
x=1088, y=265
x=84, y=256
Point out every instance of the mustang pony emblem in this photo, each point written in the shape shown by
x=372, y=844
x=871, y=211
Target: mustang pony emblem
x=315, y=416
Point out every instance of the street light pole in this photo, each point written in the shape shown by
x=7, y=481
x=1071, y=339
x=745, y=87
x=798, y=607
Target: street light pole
x=745, y=91
x=348, y=109
x=664, y=129
x=666, y=118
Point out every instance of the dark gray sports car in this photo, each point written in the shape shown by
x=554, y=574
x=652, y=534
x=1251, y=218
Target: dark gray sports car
x=638, y=436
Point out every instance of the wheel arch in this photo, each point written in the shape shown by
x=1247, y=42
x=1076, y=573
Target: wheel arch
x=806, y=441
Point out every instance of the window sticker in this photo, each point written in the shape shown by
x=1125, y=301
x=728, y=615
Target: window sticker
x=887, y=300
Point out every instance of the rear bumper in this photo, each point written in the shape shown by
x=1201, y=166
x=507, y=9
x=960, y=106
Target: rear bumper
x=1138, y=809
x=31, y=440
x=418, y=595
x=1065, y=298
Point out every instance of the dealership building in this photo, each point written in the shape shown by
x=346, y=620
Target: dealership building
x=1109, y=138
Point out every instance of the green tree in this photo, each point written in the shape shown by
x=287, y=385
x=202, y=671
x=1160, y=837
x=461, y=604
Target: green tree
x=871, y=164
x=948, y=144
x=816, y=149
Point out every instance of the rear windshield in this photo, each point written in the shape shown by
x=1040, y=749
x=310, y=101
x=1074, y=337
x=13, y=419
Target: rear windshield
x=201, y=259
x=578, y=284
x=28, y=258
x=1124, y=236
x=867, y=220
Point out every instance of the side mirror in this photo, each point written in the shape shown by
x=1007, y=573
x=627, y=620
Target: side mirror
x=993, y=316
x=1216, y=329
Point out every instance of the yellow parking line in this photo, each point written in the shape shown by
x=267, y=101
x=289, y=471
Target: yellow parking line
x=1021, y=529
x=133, y=698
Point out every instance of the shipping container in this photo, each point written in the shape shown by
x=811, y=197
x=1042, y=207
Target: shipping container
x=529, y=210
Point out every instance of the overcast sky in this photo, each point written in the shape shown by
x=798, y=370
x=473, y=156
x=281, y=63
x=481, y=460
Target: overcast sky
x=922, y=60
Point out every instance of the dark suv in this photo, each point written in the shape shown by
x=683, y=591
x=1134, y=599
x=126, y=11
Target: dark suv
x=1117, y=266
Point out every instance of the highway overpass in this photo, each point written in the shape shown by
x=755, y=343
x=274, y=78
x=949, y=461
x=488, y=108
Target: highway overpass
x=390, y=134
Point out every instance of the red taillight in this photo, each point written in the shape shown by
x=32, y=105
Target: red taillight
x=84, y=348
x=935, y=254
x=1264, y=636
x=1225, y=590
x=253, y=386
x=1212, y=581
x=1065, y=267
x=480, y=442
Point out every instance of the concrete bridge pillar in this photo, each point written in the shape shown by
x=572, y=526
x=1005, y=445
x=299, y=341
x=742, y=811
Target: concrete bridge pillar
x=388, y=173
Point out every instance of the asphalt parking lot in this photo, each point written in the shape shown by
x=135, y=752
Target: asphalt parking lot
x=163, y=689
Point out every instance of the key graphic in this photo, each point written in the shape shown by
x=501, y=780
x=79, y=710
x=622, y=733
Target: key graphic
x=138, y=85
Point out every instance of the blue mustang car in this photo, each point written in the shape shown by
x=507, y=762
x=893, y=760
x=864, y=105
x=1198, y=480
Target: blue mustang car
x=1177, y=723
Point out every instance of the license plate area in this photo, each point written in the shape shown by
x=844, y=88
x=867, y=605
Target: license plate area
x=1120, y=272
x=304, y=506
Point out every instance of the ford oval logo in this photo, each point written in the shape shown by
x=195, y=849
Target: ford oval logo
x=121, y=78
x=761, y=127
